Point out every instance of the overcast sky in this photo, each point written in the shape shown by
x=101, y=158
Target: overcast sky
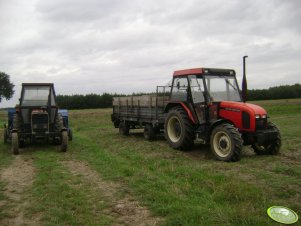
x=125, y=46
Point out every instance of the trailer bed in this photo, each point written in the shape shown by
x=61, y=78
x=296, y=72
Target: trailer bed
x=140, y=109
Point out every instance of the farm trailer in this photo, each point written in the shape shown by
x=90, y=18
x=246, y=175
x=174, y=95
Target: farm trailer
x=203, y=104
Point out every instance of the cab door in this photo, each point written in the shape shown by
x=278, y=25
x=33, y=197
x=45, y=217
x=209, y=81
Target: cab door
x=197, y=94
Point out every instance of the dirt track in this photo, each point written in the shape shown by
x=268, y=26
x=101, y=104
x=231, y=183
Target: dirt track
x=18, y=177
x=125, y=210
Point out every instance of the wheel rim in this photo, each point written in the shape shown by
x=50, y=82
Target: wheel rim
x=174, y=129
x=222, y=144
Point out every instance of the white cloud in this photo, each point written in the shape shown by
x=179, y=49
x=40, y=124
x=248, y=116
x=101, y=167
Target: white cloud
x=131, y=46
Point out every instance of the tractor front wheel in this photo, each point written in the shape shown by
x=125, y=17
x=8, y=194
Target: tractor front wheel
x=270, y=148
x=64, y=144
x=15, y=143
x=226, y=143
x=179, y=130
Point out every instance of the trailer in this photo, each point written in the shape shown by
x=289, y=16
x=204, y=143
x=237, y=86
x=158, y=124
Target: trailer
x=136, y=112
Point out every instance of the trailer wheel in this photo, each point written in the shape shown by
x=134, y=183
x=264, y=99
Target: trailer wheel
x=149, y=132
x=178, y=129
x=226, y=143
x=64, y=144
x=124, y=128
x=15, y=143
x=5, y=135
x=270, y=148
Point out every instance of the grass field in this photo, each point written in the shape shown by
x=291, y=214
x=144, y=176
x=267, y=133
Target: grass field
x=107, y=179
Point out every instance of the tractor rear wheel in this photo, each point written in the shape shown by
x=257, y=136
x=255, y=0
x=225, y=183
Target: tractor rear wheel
x=64, y=144
x=5, y=135
x=124, y=128
x=226, y=143
x=15, y=143
x=149, y=132
x=270, y=148
x=179, y=130
x=70, y=134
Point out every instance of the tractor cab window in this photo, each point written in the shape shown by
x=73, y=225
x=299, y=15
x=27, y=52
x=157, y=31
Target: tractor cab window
x=35, y=96
x=179, y=89
x=197, y=88
x=222, y=88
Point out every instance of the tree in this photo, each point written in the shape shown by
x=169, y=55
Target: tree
x=6, y=87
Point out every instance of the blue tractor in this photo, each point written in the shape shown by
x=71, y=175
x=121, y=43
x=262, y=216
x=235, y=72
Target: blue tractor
x=37, y=118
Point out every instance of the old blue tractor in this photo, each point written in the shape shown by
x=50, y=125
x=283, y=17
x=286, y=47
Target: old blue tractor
x=37, y=118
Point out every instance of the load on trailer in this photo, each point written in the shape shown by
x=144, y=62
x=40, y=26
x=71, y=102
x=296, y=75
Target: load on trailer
x=203, y=104
x=37, y=117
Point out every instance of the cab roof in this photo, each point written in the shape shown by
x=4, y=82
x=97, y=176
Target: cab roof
x=204, y=71
x=37, y=84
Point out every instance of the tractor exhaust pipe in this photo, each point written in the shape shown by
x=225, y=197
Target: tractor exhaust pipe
x=244, y=81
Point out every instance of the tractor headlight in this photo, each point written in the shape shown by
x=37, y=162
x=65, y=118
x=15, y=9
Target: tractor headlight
x=264, y=116
x=257, y=116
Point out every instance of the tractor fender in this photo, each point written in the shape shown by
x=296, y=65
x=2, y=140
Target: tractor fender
x=180, y=104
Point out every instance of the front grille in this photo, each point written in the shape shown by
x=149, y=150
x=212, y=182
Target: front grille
x=245, y=120
x=39, y=123
x=261, y=123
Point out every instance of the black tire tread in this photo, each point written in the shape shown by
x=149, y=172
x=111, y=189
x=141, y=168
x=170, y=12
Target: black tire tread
x=274, y=147
x=188, y=140
x=64, y=144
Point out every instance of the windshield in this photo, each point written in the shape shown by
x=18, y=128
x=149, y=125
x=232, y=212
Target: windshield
x=222, y=88
x=35, y=96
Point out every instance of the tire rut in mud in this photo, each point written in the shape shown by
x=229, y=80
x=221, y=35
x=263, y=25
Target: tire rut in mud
x=17, y=177
x=125, y=210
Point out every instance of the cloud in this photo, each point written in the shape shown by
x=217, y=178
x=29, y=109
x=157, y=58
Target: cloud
x=131, y=46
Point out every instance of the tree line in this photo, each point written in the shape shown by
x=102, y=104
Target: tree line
x=277, y=92
x=90, y=101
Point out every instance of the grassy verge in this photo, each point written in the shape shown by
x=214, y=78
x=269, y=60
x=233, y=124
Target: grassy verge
x=189, y=190
x=185, y=188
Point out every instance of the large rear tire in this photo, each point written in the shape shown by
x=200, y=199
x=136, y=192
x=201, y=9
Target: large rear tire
x=226, y=143
x=270, y=148
x=149, y=132
x=15, y=143
x=179, y=130
x=64, y=144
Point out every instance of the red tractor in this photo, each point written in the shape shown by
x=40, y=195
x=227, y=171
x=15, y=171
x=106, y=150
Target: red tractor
x=204, y=104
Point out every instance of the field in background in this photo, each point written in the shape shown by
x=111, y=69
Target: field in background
x=178, y=188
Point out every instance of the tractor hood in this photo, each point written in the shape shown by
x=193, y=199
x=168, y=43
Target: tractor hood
x=244, y=116
x=252, y=109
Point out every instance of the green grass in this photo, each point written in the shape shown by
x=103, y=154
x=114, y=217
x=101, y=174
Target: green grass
x=184, y=188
